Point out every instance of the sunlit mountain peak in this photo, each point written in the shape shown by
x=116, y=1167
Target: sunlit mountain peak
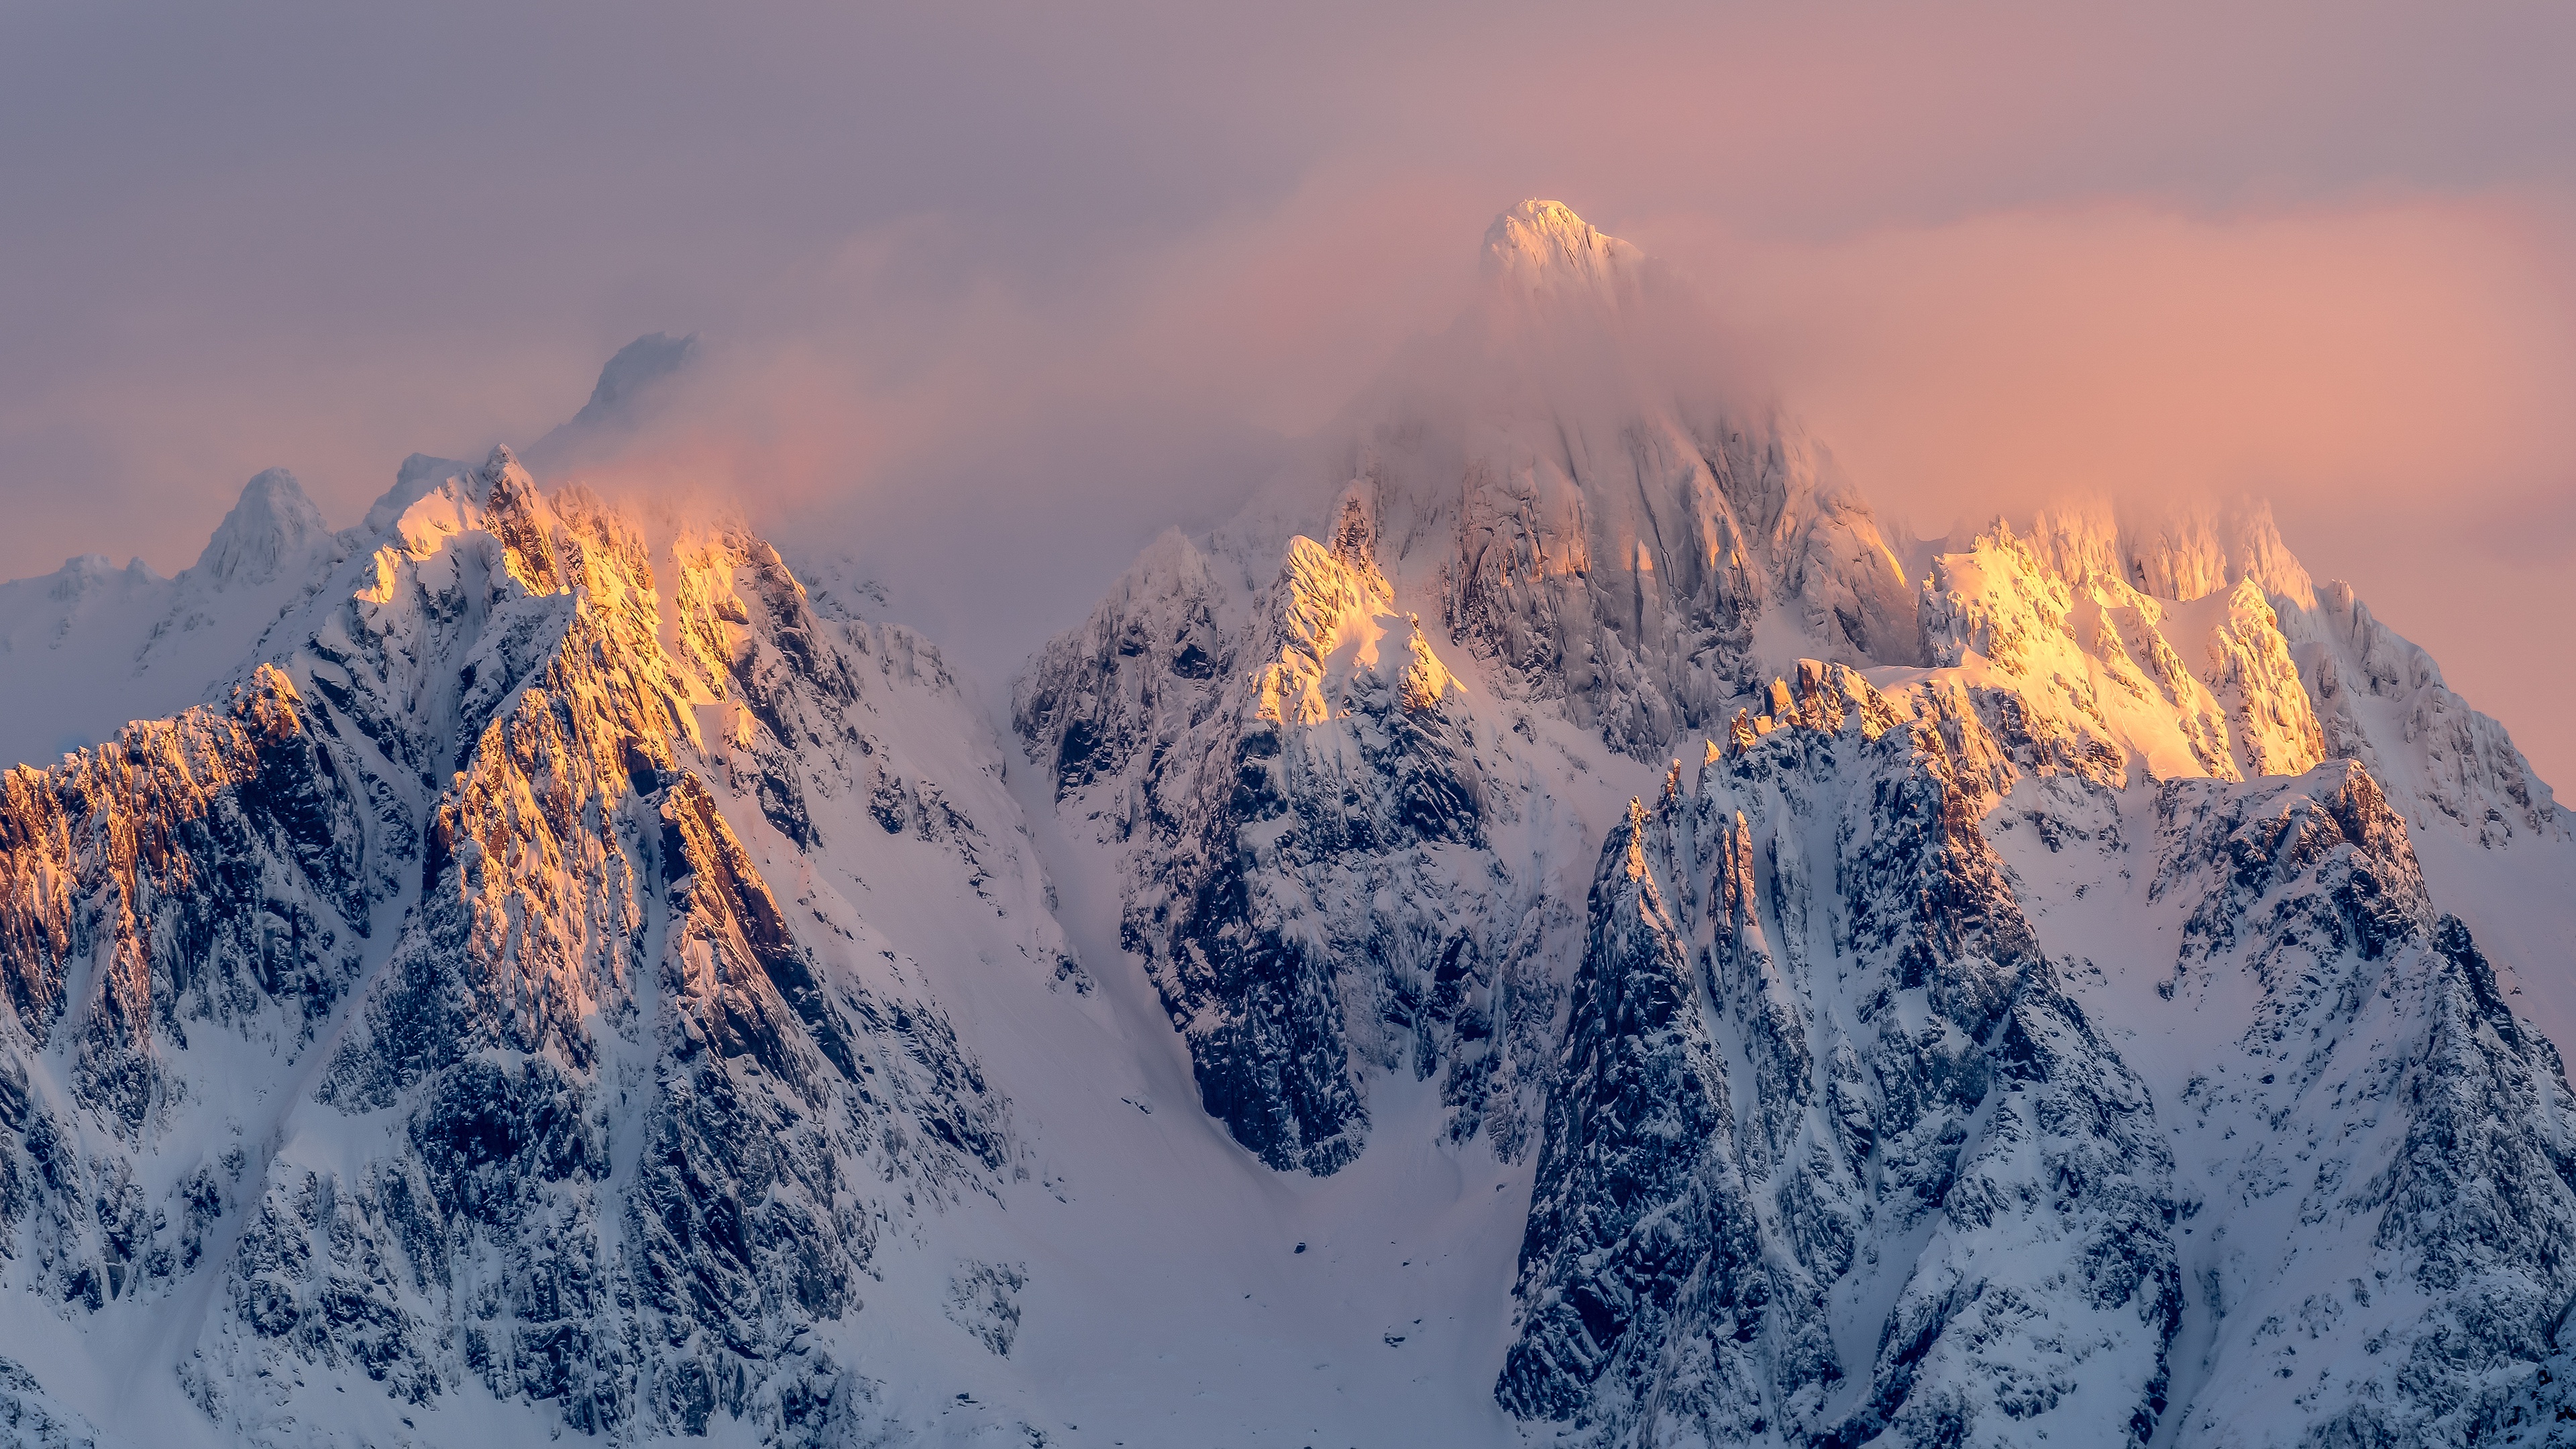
x=1542, y=244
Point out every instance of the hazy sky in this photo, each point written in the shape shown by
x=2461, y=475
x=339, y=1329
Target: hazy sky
x=1000, y=289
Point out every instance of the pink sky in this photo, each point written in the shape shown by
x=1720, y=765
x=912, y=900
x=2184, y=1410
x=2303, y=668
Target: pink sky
x=997, y=290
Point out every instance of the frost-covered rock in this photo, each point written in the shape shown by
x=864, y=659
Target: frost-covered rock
x=1318, y=822
x=1853, y=1136
x=2158, y=686
x=2385, y=1162
x=1326, y=741
x=1852, y=1131
x=1596, y=520
x=2370, y=694
x=1831, y=1154
x=2382, y=701
x=32, y=1418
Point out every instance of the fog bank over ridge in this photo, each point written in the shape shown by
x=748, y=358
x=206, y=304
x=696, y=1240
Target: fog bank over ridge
x=1018, y=291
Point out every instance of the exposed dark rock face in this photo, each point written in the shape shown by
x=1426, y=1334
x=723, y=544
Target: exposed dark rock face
x=1831, y=1155
x=208, y=868
x=1839, y=1152
x=1313, y=877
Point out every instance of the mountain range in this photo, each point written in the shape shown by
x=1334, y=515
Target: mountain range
x=1555, y=925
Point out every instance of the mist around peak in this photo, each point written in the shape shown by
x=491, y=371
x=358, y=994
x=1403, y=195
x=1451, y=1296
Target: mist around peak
x=637, y=380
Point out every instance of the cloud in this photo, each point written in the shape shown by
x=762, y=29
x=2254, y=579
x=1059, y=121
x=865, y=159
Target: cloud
x=2337, y=356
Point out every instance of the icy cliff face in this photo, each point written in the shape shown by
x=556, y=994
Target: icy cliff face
x=1831, y=1153
x=468, y=998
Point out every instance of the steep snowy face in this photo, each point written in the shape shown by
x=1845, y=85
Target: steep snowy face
x=2180, y=554
x=491, y=989
x=2195, y=643
x=1569, y=474
x=1556, y=509
x=1325, y=745
x=90, y=647
x=2365, y=1192
x=2378, y=1155
x=2381, y=700
x=1328, y=867
x=528, y=967
x=272, y=528
x=1923, y=1085
x=1646, y=573
x=1571, y=484
x=1830, y=1152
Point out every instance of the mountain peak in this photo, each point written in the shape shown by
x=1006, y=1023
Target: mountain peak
x=1543, y=245
x=418, y=477
x=272, y=520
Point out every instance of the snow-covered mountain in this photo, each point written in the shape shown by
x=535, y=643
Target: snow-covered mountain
x=511, y=985
x=1552, y=926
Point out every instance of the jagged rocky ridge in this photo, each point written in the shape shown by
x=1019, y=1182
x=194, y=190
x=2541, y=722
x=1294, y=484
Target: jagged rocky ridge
x=1339, y=860
x=1640, y=574
x=1832, y=1154
x=429, y=1010
x=1842, y=1145
x=1324, y=879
